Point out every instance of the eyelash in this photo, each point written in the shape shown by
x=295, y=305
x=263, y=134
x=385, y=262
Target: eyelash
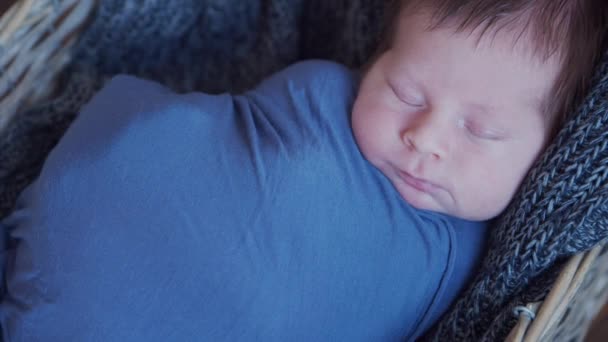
x=474, y=131
x=480, y=134
x=409, y=103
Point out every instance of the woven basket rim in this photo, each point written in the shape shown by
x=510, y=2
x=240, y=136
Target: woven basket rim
x=36, y=37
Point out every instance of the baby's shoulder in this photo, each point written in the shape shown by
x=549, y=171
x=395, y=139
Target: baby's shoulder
x=318, y=77
x=317, y=70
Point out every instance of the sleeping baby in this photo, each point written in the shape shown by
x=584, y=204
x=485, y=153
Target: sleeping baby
x=323, y=205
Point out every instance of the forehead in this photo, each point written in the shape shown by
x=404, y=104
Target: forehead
x=511, y=34
x=498, y=67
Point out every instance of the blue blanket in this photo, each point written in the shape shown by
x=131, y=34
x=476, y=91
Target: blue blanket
x=167, y=217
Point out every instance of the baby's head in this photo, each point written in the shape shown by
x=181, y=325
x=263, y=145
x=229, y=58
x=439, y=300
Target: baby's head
x=464, y=95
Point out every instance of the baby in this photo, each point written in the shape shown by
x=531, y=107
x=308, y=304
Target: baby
x=466, y=95
x=317, y=206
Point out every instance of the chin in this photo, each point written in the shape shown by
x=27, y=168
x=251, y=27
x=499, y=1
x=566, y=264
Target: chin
x=419, y=200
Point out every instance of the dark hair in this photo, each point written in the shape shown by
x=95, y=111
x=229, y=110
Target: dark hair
x=573, y=30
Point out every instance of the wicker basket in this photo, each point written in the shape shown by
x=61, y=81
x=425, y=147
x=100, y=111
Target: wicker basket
x=36, y=37
x=35, y=41
x=569, y=309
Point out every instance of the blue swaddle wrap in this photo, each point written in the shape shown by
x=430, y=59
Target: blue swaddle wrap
x=195, y=217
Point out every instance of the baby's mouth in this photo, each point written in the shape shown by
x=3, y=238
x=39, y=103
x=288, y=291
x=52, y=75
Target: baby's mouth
x=419, y=184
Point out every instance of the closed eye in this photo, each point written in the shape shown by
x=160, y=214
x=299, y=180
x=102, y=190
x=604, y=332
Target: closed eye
x=484, y=133
x=406, y=100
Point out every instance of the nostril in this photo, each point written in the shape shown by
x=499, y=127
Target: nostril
x=421, y=146
x=407, y=140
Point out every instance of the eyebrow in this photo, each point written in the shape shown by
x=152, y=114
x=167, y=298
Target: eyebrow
x=479, y=108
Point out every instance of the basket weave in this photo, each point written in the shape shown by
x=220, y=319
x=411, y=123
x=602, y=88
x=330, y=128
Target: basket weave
x=36, y=39
x=576, y=298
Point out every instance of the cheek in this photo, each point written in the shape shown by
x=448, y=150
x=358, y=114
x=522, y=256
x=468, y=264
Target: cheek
x=363, y=127
x=485, y=193
x=484, y=184
x=370, y=123
x=522, y=157
x=503, y=174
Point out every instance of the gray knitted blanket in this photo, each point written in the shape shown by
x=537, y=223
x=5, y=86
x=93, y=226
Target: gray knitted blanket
x=221, y=45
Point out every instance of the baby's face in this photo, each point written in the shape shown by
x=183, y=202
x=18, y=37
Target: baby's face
x=453, y=122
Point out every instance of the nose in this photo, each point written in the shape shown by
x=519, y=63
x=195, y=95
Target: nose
x=426, y=135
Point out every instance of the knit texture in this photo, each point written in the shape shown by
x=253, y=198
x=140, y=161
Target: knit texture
x=230, y=45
